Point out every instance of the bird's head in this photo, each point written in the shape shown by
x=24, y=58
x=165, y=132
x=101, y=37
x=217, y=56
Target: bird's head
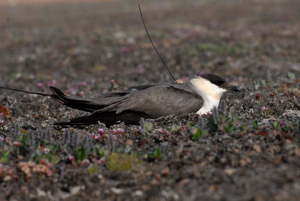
x=211, y=88
x=212, y=85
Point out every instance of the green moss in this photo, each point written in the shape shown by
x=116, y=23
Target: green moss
x=208, y=47
x=232, y=49
x=92, y=169
x=122, y=162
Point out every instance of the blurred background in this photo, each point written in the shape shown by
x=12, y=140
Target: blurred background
x=72, y=43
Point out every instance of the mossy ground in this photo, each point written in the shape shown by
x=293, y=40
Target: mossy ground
x=249, y=149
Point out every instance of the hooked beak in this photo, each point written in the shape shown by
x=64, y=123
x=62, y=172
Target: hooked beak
x=232, y=88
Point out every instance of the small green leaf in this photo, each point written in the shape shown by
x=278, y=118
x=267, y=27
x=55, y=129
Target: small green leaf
x=255, y=124
x=191, y=125
x=47, y=156
x=276, y=124
x=212, y=123
x=228, y=127
x=148, y=126
x=230, y=114
x=198, y=134
x=156, y=154
x=24, y=140
x=101, y=153
x=5, y=157
x=55, y=159
x=81, y=154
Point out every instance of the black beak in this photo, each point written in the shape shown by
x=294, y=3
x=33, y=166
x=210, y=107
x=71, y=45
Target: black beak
x=233, y=88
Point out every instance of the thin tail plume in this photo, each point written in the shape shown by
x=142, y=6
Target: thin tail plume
x=28, y=92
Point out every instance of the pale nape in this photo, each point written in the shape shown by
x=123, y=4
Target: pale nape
x=210, y=93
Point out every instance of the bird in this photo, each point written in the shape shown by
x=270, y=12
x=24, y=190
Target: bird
x=199, y=95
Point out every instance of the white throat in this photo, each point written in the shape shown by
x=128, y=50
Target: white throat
x=210, y=93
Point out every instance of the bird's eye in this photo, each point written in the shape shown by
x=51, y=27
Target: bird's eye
x=218, y=82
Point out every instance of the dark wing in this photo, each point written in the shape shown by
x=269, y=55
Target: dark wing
x=158, y=101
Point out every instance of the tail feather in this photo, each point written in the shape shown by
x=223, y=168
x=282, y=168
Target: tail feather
x=84, y=104
x=57, y=95
x=28, y=92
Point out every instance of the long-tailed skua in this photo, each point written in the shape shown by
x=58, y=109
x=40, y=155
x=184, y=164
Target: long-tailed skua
x=200, y=95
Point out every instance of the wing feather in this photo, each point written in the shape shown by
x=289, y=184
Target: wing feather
x=157, y=101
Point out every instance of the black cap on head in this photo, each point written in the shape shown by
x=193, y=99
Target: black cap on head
x=220, y=82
